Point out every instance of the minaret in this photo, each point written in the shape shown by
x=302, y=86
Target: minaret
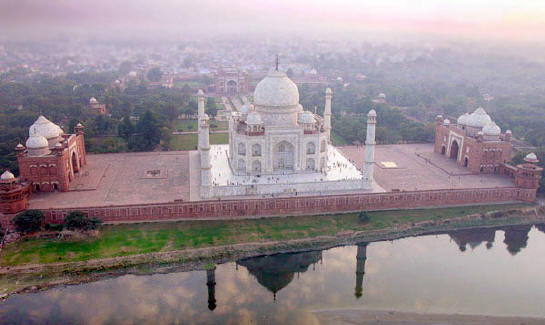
x=204, y=152
x=211, y=284
x=370, y=145
x=200, y=101
x=361, y=256
x=327, y=113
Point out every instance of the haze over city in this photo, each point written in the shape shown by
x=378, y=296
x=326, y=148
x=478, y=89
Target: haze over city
x=141, y=19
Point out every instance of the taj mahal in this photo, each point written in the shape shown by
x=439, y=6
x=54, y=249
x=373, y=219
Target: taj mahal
x=278, y=147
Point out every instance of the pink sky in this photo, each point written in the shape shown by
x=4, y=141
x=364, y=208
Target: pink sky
x=497, y=19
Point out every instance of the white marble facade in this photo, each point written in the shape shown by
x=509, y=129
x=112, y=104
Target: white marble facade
x=275, y=146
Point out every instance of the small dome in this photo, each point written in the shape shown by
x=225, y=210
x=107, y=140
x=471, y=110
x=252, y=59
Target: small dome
x=306, y=118
x=328, y=91
x=36, y=141
x=531, y=158
x=19, y=146
x=372, y=113
x=479, y=118
x=492, y=129
x=462, y=120
x=79, y=125
x=446, y=121
x=508, y=132
x=7, y=175
x=253, y=118
x=93, y=100
x=245, y=109
x=45, y=128
x=200, y=92
x=276, y=90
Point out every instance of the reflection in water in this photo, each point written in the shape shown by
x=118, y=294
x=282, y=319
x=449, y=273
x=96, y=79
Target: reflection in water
x=473, y=237
x=275, y=272
x=361, y=256
x=211, y=284
x=516, y=238
x=419, y=274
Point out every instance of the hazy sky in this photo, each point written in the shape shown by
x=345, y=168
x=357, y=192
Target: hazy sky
x=496, y=19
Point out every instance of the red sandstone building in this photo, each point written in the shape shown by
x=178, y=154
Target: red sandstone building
x=13, y=195
x=51, y=158
x=96, y=107
x=475, y=142
x=231, y=81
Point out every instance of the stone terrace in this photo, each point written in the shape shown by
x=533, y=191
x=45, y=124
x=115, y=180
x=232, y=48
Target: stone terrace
x=124, y=178
x=417, y=168
x=160, y=177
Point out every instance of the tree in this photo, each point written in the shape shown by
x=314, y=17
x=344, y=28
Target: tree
x=149, y=131
x=154, y=74
x=171, y=112
x=29, y=221
x=363, y=217
x=79, y=221
x=125, y=129
x=211, y=108
x=125, y=67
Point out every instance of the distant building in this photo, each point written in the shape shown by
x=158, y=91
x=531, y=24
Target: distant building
x=96, y=107
x=230, y=82
x=51, y=159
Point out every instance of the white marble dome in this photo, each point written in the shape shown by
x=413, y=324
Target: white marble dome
x=245, y=109
x=306, y=118
x=531, y=157
x=93, y=100
x=372, y=113
x=479, y=118
x=492, y=129
x=253, y=118
x=45, y=128
x=462, y=120
x=36, y=141
x=7, y=175
x=276, y=90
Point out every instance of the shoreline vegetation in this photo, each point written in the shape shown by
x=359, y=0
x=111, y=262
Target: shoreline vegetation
x=36, y=263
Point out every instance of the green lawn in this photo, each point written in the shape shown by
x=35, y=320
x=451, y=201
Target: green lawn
x=189, y=141
x=128, y=239
x=184, y=125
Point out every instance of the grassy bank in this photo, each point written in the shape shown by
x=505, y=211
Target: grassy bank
x=130, y=239
x=189, y=141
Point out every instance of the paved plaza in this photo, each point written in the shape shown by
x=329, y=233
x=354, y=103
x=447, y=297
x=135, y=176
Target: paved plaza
x=124, y=178
x=157, y=177
x=413, y=167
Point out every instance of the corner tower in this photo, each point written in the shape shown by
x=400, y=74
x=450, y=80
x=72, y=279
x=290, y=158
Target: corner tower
x=204, y=153
x=327, y=113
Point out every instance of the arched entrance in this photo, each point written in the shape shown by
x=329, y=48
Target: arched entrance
x=256, y=167
x=443, y=150
x=466, y=162
x=454, y=148
x=231, y=87
x=75, y=166
x=283, y=156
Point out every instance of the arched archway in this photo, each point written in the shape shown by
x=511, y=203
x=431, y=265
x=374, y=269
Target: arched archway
x=443, y=150
x=466, y=162
x=311, y=148
x=241, y=165
x=311, y=165
x=283, y=156
x=256, y=150
x=454, y=149
x=242, y=149
x=256, y=167
x=75, y=166
x=231, y=87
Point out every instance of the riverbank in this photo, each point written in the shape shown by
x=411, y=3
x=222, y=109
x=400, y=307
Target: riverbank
x=362, y=316
x=263, y=237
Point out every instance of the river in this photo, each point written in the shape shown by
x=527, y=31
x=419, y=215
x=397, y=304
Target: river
x=498, y=272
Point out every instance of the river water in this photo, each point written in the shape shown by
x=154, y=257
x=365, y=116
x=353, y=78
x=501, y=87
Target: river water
x=497, y=272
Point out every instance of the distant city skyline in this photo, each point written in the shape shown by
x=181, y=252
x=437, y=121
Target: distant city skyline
x=483, y=19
